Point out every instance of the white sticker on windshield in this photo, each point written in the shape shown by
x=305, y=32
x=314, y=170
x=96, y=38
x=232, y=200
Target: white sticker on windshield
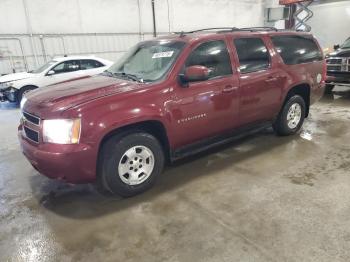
x=163, y=54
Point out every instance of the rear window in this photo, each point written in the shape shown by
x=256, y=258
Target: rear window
x=297, y=49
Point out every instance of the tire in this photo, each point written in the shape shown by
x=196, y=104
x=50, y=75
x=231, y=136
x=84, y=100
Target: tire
x=328, y=89
x=101, y=188
x=291, y=117
x=23, y=91
x=130, y=163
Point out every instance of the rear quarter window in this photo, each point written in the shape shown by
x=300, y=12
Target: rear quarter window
x=297, y=49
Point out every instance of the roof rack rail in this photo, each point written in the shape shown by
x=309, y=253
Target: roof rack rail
x=214, y=28
x=230, y=29
x=259, y=28
x=182, y=33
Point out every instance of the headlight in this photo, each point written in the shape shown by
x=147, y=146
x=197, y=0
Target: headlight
x=23, y=101
x=61, y=131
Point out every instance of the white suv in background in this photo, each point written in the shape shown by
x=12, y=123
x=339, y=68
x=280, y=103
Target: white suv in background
x=60, y=69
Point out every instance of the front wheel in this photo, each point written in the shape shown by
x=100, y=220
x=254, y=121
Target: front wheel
x=291, y=117
x=130, y=164
x=24, y=90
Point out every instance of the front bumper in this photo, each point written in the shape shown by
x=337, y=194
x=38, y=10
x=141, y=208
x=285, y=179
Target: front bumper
x=8, y=94
x=71, y=163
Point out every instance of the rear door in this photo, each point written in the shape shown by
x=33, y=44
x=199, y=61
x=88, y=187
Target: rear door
x=260, y=92
x=91, y=67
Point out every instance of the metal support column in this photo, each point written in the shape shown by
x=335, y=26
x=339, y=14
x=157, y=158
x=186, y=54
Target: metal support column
x=154, y=20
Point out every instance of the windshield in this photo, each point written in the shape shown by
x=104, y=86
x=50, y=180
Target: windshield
x=43, y=67
x=148, y=61
x=346, y=44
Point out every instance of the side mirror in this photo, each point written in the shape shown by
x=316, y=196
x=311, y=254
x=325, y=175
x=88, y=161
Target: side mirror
x=336, y=47
x=195, y=73
x=51, y=72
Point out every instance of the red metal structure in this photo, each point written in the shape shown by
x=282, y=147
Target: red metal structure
x=289, y=2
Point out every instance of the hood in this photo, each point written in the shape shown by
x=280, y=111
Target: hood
x=341, y=52
x=15, y=76
x=60, y=97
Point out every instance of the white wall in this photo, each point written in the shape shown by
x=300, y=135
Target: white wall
x=192, y=14
x=273, y=4
x=109, y=16
x=331, y=22
x=69, y=16
x=86, y=16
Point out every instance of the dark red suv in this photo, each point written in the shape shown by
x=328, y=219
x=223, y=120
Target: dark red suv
x=170, y=97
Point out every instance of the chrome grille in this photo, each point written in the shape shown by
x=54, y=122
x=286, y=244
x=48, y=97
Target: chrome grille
x=31, y=118
x=31, y=134
x=334, y=61
x=338, y=64
x=333, y=68
x=31, y=127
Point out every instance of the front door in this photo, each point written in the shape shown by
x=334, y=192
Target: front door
x=64, y=71
x=210, y=107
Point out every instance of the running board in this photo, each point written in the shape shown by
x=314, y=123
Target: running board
x=216, y=141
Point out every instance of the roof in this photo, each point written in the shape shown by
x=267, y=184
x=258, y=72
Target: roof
x=70, y=57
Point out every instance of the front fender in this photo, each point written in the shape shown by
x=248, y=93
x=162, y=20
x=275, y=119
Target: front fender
x=144, y=116
x=96, y=128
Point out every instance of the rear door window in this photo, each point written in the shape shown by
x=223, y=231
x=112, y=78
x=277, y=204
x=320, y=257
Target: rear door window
x=89, y=64
x=252, y=54
x=297, y=49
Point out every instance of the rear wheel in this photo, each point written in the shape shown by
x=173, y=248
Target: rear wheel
x=130, y=164
x=291, y=117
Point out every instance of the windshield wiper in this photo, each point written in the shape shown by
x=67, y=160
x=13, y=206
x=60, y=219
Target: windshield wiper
x=107, y=73
x=130, y=76
x=123, y=75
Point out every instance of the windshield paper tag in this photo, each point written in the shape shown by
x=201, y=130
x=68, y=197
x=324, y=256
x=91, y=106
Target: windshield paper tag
x=163, y=54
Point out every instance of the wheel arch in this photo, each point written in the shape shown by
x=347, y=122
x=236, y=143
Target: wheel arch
x=25, y=86
x=29, y=85
x=302, y=89
x=153, y=127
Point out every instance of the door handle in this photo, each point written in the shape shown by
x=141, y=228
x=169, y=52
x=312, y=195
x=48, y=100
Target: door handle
x=270, y=79
x=229, y=88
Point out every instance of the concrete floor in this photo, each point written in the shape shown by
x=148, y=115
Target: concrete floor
x=265, y=198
